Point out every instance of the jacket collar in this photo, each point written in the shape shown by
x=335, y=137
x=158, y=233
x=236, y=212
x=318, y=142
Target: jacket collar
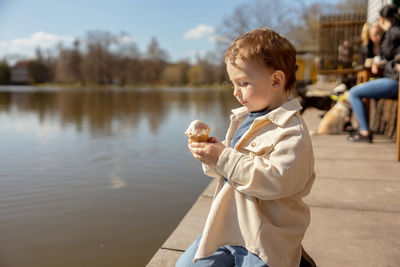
x=278, y=116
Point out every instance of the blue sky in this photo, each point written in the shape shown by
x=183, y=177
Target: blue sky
x=25, y=24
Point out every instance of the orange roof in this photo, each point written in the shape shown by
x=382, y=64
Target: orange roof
x=21, y=64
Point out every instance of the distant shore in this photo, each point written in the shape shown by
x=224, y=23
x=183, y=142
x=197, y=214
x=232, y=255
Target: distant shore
x=226, y=86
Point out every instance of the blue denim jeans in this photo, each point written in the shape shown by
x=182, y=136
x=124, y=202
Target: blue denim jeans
x=378, y=88
x=225, y=256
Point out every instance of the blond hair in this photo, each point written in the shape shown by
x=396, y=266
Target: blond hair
x=366, y=29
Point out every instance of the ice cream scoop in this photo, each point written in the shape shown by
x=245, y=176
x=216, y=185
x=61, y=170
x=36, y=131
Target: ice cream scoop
x=198, y=131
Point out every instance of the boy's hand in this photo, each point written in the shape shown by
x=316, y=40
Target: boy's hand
x=207, y=152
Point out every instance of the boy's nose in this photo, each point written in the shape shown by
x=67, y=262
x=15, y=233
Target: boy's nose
x=236, y=91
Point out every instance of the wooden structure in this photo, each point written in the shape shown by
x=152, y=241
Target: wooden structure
x=338, y=72
x=334, y=29
x=398, y=125
x=384, y=117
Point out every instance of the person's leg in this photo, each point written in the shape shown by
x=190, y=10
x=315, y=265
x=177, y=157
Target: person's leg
x=379, y=88
x=222, y=257
x=244, y=258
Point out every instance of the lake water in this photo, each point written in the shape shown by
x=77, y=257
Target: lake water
x=98, y=177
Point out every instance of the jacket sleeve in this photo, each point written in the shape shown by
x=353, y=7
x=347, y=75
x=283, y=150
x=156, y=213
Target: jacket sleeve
x=211, y=171
x=283, y=172
x=390, y=48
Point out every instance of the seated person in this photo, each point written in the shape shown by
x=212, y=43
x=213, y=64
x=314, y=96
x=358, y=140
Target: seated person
x=385, y=87
x=371, y=39
x=345, y=55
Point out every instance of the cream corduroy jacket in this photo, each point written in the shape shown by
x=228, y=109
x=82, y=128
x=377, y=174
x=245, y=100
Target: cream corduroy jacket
x=269, y=171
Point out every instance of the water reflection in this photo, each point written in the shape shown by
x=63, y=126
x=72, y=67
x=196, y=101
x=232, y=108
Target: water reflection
x=99, y=110
x=98, y=177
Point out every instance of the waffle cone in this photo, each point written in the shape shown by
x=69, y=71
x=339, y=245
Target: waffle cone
x=200, y=138
x=198, y=131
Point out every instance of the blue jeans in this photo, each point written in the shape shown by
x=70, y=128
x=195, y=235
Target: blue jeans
x=225, y=256
x=379, y=88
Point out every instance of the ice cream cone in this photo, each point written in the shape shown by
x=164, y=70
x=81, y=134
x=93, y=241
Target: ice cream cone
x=198, y=131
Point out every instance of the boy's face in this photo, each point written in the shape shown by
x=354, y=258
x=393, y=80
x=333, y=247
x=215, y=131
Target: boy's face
x=254, y=86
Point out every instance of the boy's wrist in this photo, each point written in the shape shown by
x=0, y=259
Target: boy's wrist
x=218, y=156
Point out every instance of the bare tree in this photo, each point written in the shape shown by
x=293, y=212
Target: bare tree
x=155, y=62
x=155, y=52
x=276, y=15
x=353, y=6
x=41, y=69
x=68, y=67
x=295, y=19
x=305, y=32
x=126, y=55
x=98, y=62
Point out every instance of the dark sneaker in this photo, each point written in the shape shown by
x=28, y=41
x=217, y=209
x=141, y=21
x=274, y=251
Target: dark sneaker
x=347, y=127
x=359, y=138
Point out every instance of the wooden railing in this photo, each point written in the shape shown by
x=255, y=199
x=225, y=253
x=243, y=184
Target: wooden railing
x=333, y=30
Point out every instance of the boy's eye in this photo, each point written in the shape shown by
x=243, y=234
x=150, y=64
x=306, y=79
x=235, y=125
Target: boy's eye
x=243, y=84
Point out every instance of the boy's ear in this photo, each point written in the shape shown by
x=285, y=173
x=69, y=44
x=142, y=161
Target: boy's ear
x=278, y=79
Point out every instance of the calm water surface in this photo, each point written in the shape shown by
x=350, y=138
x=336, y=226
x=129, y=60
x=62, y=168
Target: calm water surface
x=98, y=178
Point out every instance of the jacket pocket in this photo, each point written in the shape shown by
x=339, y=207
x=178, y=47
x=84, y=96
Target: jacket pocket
x=258, y=147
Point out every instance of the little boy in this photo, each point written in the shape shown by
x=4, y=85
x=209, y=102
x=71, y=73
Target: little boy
x=265, y=166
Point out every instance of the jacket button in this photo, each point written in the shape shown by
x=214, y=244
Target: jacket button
x=253, y=144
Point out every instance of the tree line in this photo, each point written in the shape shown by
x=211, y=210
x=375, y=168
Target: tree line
x=105, y=58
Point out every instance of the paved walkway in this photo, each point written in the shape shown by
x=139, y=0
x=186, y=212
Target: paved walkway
x=355, y=206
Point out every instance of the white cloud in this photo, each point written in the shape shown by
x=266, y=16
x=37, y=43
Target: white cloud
x=3, y=44
x=27, y=45
x=124, y=40
x=199, y=32
x=218, y=39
